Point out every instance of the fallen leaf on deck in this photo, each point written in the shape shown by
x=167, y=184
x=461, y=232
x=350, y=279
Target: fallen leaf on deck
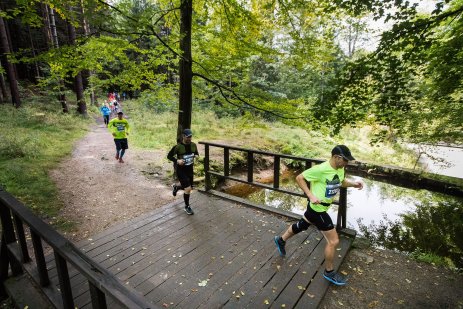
x=408, y=281
x=266, y=302
x=300, y=287
x=203, y=283
x=278, y=267
x=344, y=273
x=310, y=295
x=373, y=304
x=242, y=293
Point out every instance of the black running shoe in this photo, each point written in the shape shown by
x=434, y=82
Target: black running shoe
x=189, y=211
x=335, y=278
x=280, y=245
x=174, y=190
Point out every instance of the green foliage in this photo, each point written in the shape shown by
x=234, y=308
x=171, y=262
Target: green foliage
x=35, y=138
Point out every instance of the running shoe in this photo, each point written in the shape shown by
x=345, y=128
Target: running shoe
x=189, y=211
x=117, y=156
x=175, y=190
x=120, y=160
x=335, y=278
x=280, y=245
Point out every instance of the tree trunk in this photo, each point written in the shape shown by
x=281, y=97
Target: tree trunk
x=185, y=70
x=36, y=65
x=3, y=91
x=90, y=73
x=46, y=29
x=55, y=44
x=78, y=83
x=5, y=50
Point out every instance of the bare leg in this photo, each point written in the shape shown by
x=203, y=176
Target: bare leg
x=332, y=240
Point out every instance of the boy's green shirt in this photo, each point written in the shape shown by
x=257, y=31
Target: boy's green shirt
x=325, y=183
x=120, y=127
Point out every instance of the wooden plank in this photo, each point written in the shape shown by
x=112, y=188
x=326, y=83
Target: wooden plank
x=259, y=249
x=150, y=262
x=319, y=285
x=133, y=262
x=269, y=287
x=226, y=250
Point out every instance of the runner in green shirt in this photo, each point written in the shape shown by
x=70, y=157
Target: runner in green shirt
x=325, y=180
x=119, y=127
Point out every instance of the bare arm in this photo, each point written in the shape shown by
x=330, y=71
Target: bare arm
x=303, y=184
x=355, y=184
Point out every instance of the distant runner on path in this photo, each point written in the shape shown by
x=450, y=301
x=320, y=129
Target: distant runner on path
x=105, y=111
x=119, y=127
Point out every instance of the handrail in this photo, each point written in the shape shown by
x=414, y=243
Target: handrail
x=102, y=282
x=342, y=210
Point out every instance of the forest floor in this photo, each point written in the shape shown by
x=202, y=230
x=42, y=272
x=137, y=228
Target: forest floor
x=99, y=192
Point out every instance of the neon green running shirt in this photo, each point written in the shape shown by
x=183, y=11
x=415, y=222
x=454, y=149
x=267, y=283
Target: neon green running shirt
x=120, y=127
x=325, y=183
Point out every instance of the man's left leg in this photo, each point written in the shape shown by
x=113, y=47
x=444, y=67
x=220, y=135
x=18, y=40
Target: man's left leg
x=332, y=240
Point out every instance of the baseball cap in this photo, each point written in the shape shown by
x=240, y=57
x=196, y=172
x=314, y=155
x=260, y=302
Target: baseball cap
x=187, y=132
x=343, y=151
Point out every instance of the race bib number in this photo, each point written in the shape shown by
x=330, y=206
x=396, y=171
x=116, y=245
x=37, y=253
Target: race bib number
x=120, y=127
x=189, y=158
x=332, y=190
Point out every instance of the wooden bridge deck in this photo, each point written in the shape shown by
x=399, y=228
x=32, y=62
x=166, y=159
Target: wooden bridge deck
x=222, y=256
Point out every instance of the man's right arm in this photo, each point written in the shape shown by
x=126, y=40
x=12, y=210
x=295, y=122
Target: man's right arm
x=303, y=185
x=171, y=154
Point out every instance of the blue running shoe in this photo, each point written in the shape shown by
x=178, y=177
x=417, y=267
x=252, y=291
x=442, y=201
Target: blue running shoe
x=189, y=211
x=280, y=245
x=335, y=278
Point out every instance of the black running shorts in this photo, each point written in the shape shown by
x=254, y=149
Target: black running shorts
x=121, y=143
x=321, y=220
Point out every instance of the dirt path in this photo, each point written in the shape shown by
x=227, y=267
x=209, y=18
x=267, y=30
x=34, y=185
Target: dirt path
x=99, y=192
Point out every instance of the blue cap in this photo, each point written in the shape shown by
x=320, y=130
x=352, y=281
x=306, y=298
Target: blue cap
x=187, y=132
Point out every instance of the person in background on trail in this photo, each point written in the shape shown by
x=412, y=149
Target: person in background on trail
x=119, y=127
x=105, y=111
x=183, y=155
x=325, y=180
x=116, y=106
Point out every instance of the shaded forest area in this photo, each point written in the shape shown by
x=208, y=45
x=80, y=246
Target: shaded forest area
x=307, y=63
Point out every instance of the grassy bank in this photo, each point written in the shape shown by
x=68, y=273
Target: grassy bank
x=153, y=130
x=34, y=139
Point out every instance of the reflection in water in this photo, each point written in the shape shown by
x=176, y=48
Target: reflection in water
x=391, y=217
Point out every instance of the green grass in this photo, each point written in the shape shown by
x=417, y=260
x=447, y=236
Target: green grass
x=34, y=139
x=153, y=130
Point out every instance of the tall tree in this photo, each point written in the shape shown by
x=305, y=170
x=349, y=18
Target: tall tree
x=5, y=50
x=78, y=82
x=55, y=44
x=185, y=67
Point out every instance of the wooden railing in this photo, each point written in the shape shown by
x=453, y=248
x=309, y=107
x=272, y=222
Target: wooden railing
x=14, y=253
x=250, y=155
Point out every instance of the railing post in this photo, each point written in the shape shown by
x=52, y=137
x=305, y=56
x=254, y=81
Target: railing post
x=8, y=237
x=40, y=259
x=206, y=168
x=64, y=282
x=22, y=239
x=98, y=297
x=226, y=161
x=276, y=172
x=250, y=166
x=342, y=210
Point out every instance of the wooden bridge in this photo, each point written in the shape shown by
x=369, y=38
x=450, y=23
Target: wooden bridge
x=222, y=256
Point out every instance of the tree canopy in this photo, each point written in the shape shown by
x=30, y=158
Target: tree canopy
x=279, y=59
